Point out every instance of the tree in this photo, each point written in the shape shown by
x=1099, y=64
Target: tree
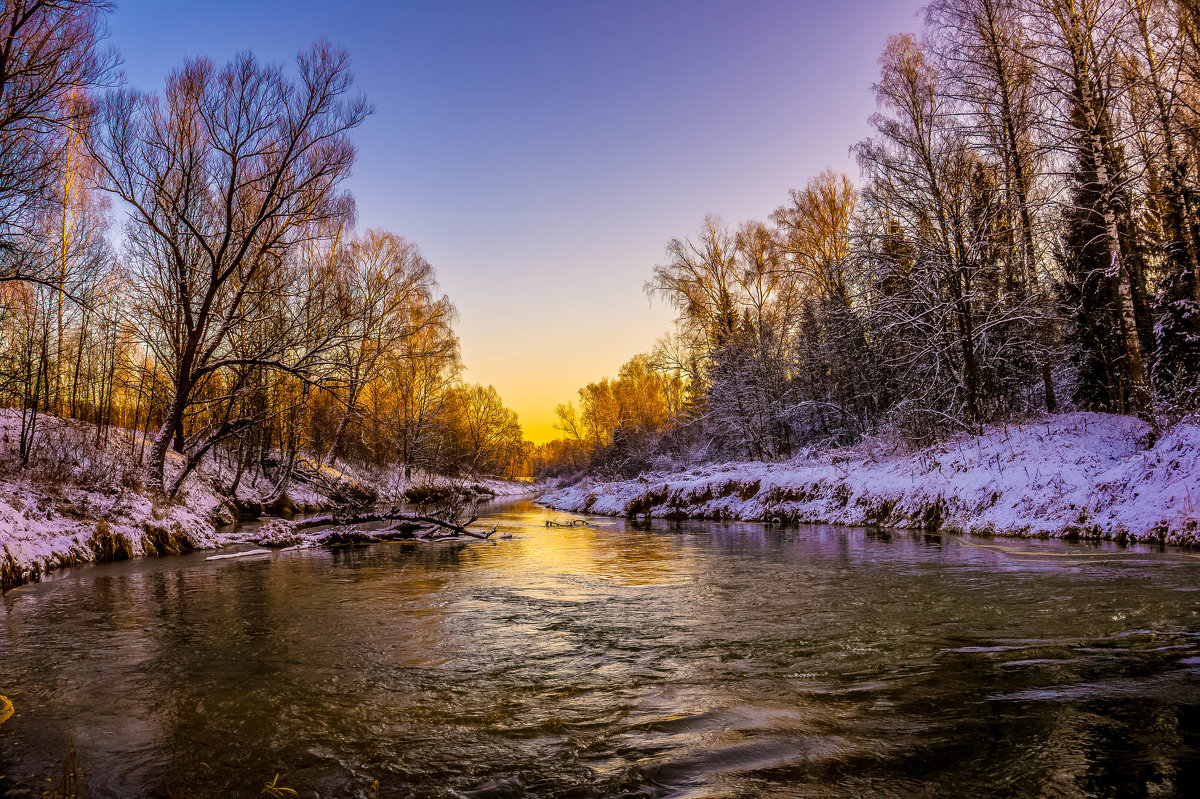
x=1078, y=40
x=815, y=236
x=1156, y=74
x=420, y=376
x=841, y=393
x=224, y=175
x=698, y=280
x=390, y=291
x=920, y=180
x=50, y=57
x=486, y=434
x=619, y=422
x=990, y=63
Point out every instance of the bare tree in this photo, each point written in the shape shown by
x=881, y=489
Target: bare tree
x=50, y=57
x=815, y=234
x=1078, y=55
x=390, y=289
x=920, y=183
x=989, y=62
x=698, y=280
x=224, y=175
x=419, y=375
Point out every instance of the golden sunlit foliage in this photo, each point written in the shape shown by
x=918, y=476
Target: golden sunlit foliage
x=245, y=322
x=617, y=421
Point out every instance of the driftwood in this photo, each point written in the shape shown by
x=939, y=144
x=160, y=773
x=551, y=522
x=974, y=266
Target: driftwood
x=416, y=527
x=573, y=523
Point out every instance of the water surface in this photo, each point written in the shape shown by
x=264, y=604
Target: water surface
x=682, y=660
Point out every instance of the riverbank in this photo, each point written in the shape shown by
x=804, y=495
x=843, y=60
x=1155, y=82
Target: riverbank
x=1074, y=475
x=81, y=499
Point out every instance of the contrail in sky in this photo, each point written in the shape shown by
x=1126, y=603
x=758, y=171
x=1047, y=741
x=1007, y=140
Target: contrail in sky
x=495, y=357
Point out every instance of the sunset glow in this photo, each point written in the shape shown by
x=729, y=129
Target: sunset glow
x=542, y=154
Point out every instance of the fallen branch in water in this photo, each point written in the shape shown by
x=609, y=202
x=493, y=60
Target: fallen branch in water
x=572, y=523
x=282, y=532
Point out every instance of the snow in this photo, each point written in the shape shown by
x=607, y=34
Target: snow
x=318, y=486
x=75, y=495
x=390, y=484
x=78, y=502
x=1085, y=475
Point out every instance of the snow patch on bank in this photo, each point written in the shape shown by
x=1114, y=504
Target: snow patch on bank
x=79, y=502
x=1079, y=474
x=390, y=484
x=318, y=486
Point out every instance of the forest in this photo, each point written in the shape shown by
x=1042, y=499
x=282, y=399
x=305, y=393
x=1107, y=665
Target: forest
x=186, y=264
x=1024, y=238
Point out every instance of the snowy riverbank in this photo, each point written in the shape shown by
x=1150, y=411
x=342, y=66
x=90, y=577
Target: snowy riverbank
x=1084, y=475
x=79, y=502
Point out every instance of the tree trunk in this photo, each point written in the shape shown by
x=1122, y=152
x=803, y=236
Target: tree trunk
x=172, y=421
x=1048, y=384
x=1118, y=269
x=1176, y=180
x=331, y=452
x=966, y=338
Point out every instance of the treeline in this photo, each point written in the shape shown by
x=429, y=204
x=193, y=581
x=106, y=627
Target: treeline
x=1025, y=238
x=243, y=319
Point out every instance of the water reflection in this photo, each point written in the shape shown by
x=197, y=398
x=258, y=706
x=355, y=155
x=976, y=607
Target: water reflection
x=688, y=659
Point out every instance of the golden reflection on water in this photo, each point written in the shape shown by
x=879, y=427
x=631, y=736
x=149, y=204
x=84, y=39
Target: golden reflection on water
x=635, y=558
x=631, y=557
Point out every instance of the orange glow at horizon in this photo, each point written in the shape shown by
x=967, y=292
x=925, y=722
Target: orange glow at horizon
x=536, y=379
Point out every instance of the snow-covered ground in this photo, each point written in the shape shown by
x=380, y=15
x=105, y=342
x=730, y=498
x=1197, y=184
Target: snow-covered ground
x=390, y=484
x=1078, y=474
x=319, y=486
x=78, y=502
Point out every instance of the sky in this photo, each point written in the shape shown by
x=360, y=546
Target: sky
x=542, y=154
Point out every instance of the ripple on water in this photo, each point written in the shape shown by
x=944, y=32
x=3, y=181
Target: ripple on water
x=689, y=660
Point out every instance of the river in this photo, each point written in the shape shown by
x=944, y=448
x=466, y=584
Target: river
x=689, y=659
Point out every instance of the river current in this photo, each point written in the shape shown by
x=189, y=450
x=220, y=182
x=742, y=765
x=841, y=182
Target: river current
x=689, y=659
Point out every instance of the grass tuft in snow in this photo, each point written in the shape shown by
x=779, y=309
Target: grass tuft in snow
x=163, y=540
x=108, y=546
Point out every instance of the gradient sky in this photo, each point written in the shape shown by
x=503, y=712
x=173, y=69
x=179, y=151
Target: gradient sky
x=542, y=154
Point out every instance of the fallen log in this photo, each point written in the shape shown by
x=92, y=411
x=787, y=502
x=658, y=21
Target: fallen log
x=282, y=532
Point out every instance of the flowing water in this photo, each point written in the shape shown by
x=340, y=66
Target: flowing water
x=683, y=660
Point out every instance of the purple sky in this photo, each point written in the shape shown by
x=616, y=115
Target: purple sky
x=542, y=154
